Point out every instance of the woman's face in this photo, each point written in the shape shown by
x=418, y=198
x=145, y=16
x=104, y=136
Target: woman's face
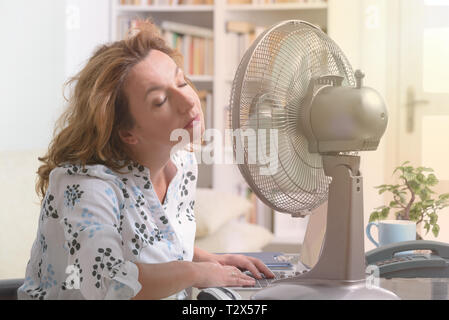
x=160, y=101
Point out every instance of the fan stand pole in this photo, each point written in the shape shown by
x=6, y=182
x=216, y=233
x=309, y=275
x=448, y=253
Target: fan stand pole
x=340, y=270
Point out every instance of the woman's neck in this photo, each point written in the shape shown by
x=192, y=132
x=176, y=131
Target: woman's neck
x=162, y=170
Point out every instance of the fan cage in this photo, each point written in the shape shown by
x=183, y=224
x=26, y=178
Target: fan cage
x=273, y=76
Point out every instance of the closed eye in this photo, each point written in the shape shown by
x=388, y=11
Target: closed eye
x=185, y=84
x=160, y=104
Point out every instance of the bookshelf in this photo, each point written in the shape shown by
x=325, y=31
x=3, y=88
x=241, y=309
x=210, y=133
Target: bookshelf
x=165, y=8
x=277, y=6
x=215, y=17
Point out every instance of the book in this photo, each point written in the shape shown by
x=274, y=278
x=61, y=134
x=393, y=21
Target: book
x=207, y=107
x=240, y=26
x=239, y=1
x=196, y=56
x=187, y=29
x=186, y=52
x=195, y=44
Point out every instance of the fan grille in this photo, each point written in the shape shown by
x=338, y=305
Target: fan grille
x=279, y=66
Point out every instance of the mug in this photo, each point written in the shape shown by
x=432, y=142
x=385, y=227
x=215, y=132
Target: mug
x=392, y=231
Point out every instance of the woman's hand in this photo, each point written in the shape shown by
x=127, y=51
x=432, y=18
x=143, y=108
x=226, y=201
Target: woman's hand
x=253, y=265
x=213, y=274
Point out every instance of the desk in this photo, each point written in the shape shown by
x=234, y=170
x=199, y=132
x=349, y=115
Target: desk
x=404, y=288
x=418, y=288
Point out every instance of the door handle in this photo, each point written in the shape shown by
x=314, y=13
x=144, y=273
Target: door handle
x=411, y=104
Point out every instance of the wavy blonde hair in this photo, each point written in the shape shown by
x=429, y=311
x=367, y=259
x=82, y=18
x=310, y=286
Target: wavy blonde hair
x=87, y=131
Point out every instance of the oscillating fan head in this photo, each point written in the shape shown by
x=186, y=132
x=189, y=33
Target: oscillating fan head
x=270, y=92
x=341, y=119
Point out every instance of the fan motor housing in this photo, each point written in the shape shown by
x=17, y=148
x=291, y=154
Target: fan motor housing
x=347, y=119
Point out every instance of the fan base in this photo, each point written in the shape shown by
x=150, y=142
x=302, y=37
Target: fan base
x=320, y=291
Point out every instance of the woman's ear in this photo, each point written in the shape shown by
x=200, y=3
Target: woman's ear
x=127, y=137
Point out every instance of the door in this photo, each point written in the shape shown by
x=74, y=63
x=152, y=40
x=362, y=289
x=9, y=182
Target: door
x=424, y=92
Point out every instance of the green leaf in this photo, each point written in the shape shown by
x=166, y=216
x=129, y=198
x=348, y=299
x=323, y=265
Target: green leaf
x=432, y=180
x=436, y=230
x=414, y=185
x=401, y=168
x=444, y=196
x=415, y=213
x=393, y=204
x=433, y=218
x=427, y=227
x=374, y=216
x=424, y=194
x=420, y=178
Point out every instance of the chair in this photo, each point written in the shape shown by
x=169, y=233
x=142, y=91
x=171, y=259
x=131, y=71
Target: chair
x=8, y=288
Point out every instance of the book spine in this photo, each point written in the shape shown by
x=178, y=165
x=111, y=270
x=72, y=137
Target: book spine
x=209, y=110
x=196, y=55
x=186, y=53
x=191, y=55
x=211, y=57
x=207, y=55
x=187, y=29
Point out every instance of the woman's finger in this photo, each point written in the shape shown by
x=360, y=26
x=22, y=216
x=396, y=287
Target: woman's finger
x=245, y=280
x=249, y=265
x=262, y=268
x=238, y=278
x=256, y=267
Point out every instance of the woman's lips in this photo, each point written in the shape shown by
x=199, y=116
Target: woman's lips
x=191, y=122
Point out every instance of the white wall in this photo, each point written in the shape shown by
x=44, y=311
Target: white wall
x=43, y=42
x=38, y=53
x=32, y=71
x=360, y=28
x=32, y=64
x=87, y=27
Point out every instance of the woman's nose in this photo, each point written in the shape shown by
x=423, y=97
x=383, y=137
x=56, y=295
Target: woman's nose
x=184, y=100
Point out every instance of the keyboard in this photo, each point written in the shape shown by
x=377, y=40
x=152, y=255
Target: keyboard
x=264, y=282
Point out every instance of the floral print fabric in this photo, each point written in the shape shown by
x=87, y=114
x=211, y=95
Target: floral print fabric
x=95, y=224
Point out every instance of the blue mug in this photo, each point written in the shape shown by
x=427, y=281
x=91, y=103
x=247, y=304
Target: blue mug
x=392, y=231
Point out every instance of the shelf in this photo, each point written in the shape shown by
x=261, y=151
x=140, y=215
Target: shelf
x=201, y=78
x=274, y=7
x=178, y=8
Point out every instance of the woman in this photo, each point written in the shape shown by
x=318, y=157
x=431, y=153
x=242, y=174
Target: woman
x=117, y=211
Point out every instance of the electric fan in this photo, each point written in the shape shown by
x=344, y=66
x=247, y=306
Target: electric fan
x=295, y=81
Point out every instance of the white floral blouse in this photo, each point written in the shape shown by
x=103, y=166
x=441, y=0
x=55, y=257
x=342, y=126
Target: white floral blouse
x=95, y=224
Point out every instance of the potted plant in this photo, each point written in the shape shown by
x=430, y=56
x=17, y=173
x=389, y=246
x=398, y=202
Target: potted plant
x=413, y=198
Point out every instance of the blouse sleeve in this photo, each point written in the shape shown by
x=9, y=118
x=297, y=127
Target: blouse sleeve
x=92, y=222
